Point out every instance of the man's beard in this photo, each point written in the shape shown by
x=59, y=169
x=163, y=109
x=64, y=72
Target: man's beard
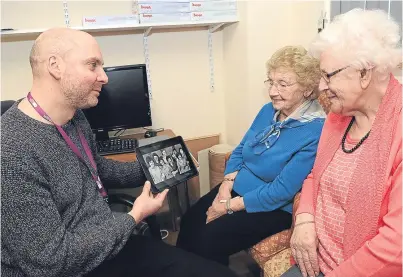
x=77, y=96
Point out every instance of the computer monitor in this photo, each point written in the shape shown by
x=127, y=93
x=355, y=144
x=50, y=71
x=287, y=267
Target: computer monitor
x=123, y=103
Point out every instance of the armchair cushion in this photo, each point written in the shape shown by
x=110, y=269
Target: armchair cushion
x=278, y=264
x=271, y=246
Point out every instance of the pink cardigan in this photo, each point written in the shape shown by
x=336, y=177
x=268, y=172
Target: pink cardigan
x=373, y=228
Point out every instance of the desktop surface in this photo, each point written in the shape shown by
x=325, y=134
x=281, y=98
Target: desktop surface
x=116, y=146
x=125, y=145
x=130, y=157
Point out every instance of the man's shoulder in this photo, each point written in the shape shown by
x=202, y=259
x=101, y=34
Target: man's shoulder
x=12, y=128
x=18, y=137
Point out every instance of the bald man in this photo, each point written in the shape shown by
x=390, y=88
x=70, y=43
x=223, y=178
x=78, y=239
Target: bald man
x=54, y=217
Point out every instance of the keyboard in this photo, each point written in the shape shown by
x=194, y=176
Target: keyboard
x=116, y=146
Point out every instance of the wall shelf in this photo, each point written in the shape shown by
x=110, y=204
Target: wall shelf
x=146, y=29
x=214, y=25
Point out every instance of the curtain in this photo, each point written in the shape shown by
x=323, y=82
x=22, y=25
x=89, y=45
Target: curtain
x=392, y=7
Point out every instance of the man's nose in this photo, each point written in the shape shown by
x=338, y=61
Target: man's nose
x=103, y=78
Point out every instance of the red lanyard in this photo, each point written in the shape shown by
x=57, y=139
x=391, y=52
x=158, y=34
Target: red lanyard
x=73, y=147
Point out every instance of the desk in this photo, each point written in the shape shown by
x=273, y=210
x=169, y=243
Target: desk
x=130, y=157
x=173, y=195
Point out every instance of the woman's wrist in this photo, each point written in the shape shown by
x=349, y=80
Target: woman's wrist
x=227, y=184
x=304, y=222
x=231, y=175
x=302, y=217
x=237, y=204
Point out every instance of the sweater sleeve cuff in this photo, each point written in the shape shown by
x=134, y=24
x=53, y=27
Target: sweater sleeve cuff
x=230, y=169
x=128, y=224
x=252, y=202
x=303, y=208
x=125, y=225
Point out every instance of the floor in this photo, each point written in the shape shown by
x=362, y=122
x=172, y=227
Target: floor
x=241, y=263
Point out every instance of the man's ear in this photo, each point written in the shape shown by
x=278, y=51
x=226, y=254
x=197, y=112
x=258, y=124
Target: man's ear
x=365, y=77
x=54, y=66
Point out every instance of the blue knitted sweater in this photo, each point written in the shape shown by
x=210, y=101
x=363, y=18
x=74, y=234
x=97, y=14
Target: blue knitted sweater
x=271, y=173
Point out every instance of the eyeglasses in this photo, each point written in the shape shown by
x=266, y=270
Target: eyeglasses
x=327, y=76
x=281, y=87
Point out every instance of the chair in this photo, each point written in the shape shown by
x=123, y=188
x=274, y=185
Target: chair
x=5, y=105
x=123, y=199
x=273, y=254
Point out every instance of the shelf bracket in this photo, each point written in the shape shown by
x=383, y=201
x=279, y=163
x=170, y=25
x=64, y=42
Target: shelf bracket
x=216, y=27
x=147, y=31
x=66, y=14
x=211, y=30
x=147, y=61
x=211, y=57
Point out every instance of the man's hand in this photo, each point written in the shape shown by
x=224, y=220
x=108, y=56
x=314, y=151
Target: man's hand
x=147, y=204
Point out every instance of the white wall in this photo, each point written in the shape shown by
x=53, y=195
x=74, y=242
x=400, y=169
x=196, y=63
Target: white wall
x=179, y=60
x=182, y=100
x=265, y=27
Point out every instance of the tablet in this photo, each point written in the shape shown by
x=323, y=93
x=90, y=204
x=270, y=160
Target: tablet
x=166, y=163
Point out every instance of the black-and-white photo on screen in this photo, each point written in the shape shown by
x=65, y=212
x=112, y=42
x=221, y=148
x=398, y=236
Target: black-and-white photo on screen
x=166, y=163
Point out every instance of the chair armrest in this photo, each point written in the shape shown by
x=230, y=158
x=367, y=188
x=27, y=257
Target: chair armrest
x=128, y=201
x=121, y=198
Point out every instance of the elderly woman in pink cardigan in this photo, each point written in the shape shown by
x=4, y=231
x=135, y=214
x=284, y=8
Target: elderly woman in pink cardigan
x=349, y=220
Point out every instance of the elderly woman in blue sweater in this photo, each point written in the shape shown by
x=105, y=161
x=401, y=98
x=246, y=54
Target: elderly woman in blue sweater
x=266, y=169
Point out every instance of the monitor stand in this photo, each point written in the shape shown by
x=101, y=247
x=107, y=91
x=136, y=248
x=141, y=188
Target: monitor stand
x=101, y=136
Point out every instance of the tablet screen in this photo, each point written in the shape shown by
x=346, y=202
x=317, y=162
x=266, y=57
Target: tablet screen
x=166, y=163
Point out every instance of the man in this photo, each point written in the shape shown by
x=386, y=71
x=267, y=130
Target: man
x=55, y=221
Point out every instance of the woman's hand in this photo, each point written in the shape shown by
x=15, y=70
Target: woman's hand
x=224, y=193
x=304, y=244
x=216, y=210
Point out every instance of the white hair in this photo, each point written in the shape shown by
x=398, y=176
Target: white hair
x=364, y=38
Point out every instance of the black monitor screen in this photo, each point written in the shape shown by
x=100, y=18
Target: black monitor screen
x=123, y=102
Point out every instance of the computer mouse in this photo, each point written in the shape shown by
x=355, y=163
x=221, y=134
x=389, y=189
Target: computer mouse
x=150, y=134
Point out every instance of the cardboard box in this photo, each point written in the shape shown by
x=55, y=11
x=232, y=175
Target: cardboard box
x=196, y=6
x=177, y=1
x=115, y=20
x=164, y=7
x=164, y=18
x=214, y=15
x=164, y=1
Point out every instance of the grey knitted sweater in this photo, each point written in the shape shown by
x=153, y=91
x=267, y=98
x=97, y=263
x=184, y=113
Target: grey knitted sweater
x=54, y=221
